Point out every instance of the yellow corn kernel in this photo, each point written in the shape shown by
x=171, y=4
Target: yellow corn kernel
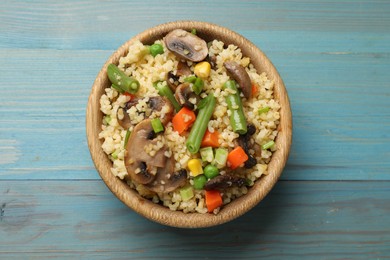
x=202, y=69
x=195, y=167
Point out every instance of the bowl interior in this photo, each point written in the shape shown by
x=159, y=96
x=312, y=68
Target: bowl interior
x=157, y=212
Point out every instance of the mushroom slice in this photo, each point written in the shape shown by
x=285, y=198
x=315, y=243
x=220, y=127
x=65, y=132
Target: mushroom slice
x=164, y=106
x=185, y=96
x=239, y=74
x=158, y=103
x=186, y=45
x=181, y=70
x=166, y=179
x=142, y=165
x=222, y=182
x=123, y=116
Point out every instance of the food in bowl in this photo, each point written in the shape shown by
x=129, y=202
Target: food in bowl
x=187, y=123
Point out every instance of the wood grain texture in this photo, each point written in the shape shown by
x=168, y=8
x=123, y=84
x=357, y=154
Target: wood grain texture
x=302, y=220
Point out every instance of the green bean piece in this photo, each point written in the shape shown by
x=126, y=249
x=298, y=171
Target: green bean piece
x=200, y=125
x=164, y=90
x=156, y=49
x=157, y=125
x=117, y=88
x=233, y=100
x=121, y=80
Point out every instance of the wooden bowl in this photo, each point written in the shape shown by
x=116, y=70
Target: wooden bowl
x=157, y=212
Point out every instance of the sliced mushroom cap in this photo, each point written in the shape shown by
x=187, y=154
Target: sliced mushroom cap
x=123, y=116
x=181, y=70
x=239, y=74
x=222, y=182
x=186, y=45
x=141, y=165
x=185, y=96
x=164, y=106
x=167, y=180
x=158, y=103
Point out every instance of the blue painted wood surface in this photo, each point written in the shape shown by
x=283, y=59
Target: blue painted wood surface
x=333, y=198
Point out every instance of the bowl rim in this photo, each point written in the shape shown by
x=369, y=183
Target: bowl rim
x=164, y=215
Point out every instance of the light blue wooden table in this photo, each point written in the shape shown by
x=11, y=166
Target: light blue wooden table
x=333, y=200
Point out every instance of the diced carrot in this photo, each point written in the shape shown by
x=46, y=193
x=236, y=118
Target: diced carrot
x=255, y=89
x=213, y=200
x=236, y=157
x=210, y=139
x=129, y=95
x=183, y=120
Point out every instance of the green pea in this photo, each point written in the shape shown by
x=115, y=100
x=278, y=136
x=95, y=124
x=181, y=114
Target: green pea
x=200, y=181
x=211, y=171
x=156, y=49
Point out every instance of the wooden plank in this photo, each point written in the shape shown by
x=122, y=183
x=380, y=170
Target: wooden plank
x=76, y=24
x=299, y=219
x=340, y=114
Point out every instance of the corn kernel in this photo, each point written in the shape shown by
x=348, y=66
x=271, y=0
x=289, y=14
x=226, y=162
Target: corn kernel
x=202, y=69
x=195, y=167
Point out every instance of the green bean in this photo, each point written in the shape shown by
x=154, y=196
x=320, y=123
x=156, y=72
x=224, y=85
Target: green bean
x=164, y=90
x=121, y=80
x=200, y=125
x=120, y=90
x=233, y=100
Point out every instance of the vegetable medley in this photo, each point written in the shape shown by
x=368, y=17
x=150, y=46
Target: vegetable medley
x=195, y=134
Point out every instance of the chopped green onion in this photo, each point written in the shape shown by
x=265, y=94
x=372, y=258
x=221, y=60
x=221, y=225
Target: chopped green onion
x=157, y=125
x=190, y=79
x=107, y=120
x=186, y=193
x=115, y=154
x=126, y=138
x=267, y=145
x=207, y=154
x=193, y=31
x=164, y=90
x=198, y=86
x=220, y=159
x=263, y=110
